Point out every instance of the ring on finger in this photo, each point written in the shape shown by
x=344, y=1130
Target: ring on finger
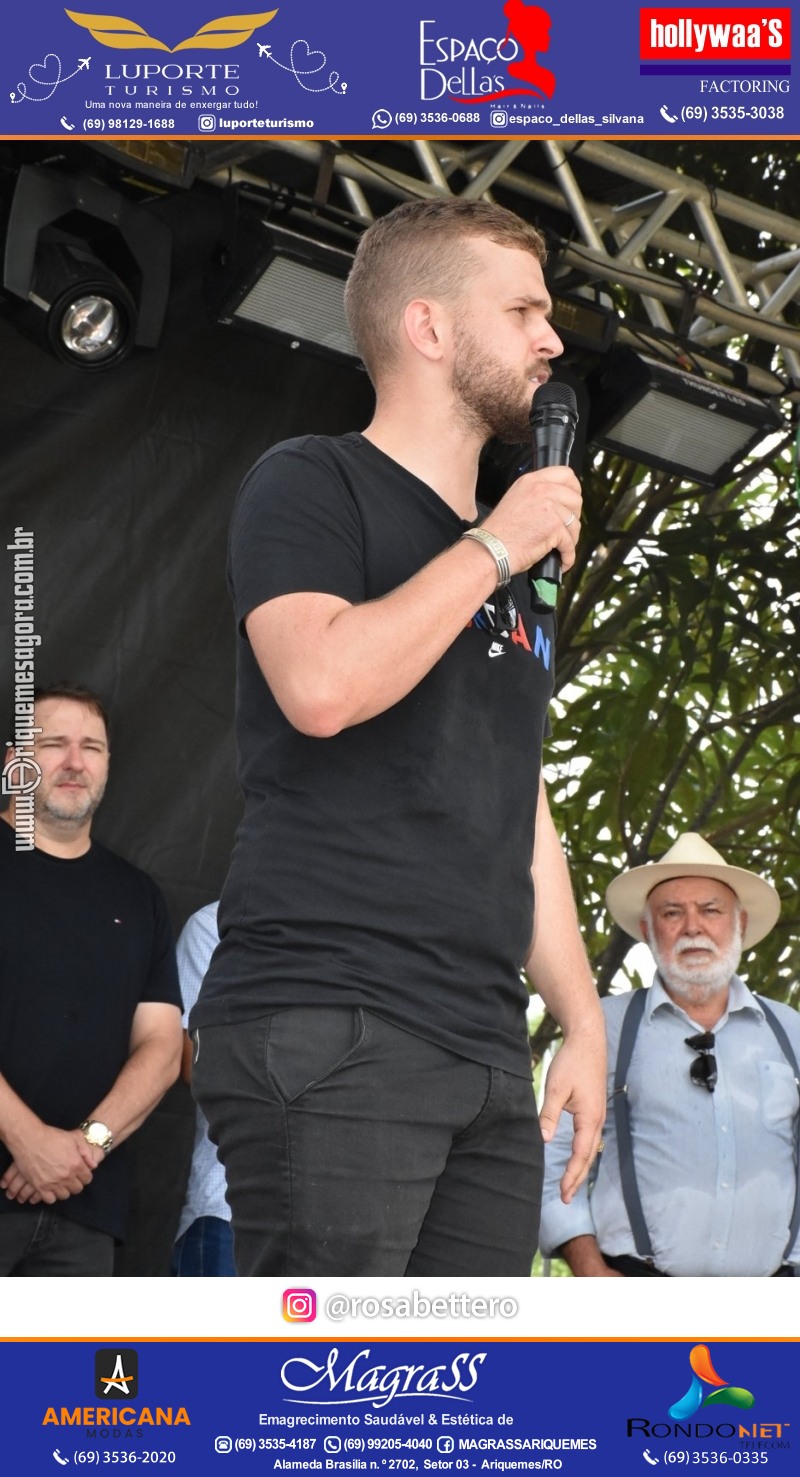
x=569, y=520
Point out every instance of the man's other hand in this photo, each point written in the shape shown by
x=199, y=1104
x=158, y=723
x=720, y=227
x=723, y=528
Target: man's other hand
x=52, y=1165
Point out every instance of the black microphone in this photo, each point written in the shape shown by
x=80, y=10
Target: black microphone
x=553, y=418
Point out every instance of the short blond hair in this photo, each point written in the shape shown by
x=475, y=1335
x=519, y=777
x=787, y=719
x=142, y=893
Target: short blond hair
x=421, y=248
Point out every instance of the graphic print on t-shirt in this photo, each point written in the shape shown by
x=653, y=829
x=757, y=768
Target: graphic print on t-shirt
x=486, y=619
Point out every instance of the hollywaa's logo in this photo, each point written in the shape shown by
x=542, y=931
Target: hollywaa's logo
x=715, y=33
x=217, y=35
x=526, y=37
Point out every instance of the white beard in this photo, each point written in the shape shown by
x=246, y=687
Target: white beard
x=696, y=983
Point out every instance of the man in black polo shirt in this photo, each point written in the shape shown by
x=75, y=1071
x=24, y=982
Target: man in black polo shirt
x=360, y=1039
x=90, y=1025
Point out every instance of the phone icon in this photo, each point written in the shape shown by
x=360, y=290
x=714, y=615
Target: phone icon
x=69, y=126
x=653, y=1460
x=665, y=113
x=59, y=1458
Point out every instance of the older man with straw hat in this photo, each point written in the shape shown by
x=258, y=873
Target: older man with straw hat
x=699, y=1173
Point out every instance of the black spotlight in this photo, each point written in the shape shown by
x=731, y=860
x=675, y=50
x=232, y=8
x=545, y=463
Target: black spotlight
x=662, y=416
x=90, y=315
x=277, y=282
x=86, y=270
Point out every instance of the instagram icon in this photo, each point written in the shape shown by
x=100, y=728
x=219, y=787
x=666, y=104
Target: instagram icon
x=299, y=1305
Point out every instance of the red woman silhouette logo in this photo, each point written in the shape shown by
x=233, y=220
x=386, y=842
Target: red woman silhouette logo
x=530, y=27
x=527, y=34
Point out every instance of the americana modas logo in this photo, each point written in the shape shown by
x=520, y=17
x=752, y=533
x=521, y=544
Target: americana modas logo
x=116, y=1374
x=127, y=35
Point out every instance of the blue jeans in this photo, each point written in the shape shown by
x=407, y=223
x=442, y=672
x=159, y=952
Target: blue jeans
x=353, y=1148
x=204, y=1250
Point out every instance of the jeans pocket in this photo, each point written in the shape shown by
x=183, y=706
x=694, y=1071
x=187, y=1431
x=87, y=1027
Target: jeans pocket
x=307, y=1044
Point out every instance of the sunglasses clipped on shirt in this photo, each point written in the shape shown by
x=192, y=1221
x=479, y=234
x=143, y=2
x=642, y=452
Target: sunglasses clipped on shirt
x=703, y=1070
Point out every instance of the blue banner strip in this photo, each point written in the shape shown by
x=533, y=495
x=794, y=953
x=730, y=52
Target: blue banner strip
x=704, y=69
x=400, y=1409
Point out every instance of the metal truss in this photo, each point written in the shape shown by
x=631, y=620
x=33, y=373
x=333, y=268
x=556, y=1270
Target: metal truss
x=654, y=237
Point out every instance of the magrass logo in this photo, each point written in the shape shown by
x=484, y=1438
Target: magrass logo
x=127, y=35
x=704, y=1374
x=354, y=1380
x=116, y=1374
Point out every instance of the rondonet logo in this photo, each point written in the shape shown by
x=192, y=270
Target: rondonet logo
x=723, y=34
x=361, y=1382
x=709, y=1389
x=703, y=1375
x=127, y=35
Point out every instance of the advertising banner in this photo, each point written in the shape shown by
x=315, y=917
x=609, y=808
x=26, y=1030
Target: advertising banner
x=451, y=68
x=402, y=1407
x=551, y=1374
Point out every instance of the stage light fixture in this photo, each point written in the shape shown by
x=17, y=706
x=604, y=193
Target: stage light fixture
x=168, y=162
x=583, y=322
x=665, y=417
x=89, y=314
x=280, y=283
x=86, y=270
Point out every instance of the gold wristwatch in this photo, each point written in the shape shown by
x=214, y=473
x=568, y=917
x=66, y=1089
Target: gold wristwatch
x=97, y=1134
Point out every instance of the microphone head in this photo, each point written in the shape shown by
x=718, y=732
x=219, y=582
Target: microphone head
x=554, y=399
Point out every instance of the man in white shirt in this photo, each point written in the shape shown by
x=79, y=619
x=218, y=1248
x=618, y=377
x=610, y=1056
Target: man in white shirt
x=698, y=1176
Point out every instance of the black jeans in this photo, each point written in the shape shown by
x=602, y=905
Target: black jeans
x=43, y=1243
x=354, y=1148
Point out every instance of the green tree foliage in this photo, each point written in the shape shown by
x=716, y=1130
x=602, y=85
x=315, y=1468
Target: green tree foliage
x=746, y=167
x=678, y=675
x=678, y=691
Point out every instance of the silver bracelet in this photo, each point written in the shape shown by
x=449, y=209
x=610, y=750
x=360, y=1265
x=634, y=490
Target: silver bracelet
x=498, y=551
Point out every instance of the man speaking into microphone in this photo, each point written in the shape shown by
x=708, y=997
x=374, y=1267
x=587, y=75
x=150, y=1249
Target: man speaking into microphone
x=361, y=1050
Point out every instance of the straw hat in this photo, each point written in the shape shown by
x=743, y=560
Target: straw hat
x=691, y=856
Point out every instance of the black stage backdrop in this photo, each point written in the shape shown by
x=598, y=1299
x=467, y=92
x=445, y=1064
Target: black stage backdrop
x=126, y=479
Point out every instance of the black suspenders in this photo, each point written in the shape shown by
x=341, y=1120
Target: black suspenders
x=627, y=1169
x=622, y=1118
x=786, y=1047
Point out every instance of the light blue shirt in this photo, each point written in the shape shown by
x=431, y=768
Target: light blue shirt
x=205, y=1192
x=715, y=1170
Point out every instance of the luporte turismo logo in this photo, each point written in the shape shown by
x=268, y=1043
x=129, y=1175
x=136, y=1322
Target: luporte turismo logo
x=127, y=35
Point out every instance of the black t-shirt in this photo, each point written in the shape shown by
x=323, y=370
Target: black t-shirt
x=85, y=940
x=389, y=865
